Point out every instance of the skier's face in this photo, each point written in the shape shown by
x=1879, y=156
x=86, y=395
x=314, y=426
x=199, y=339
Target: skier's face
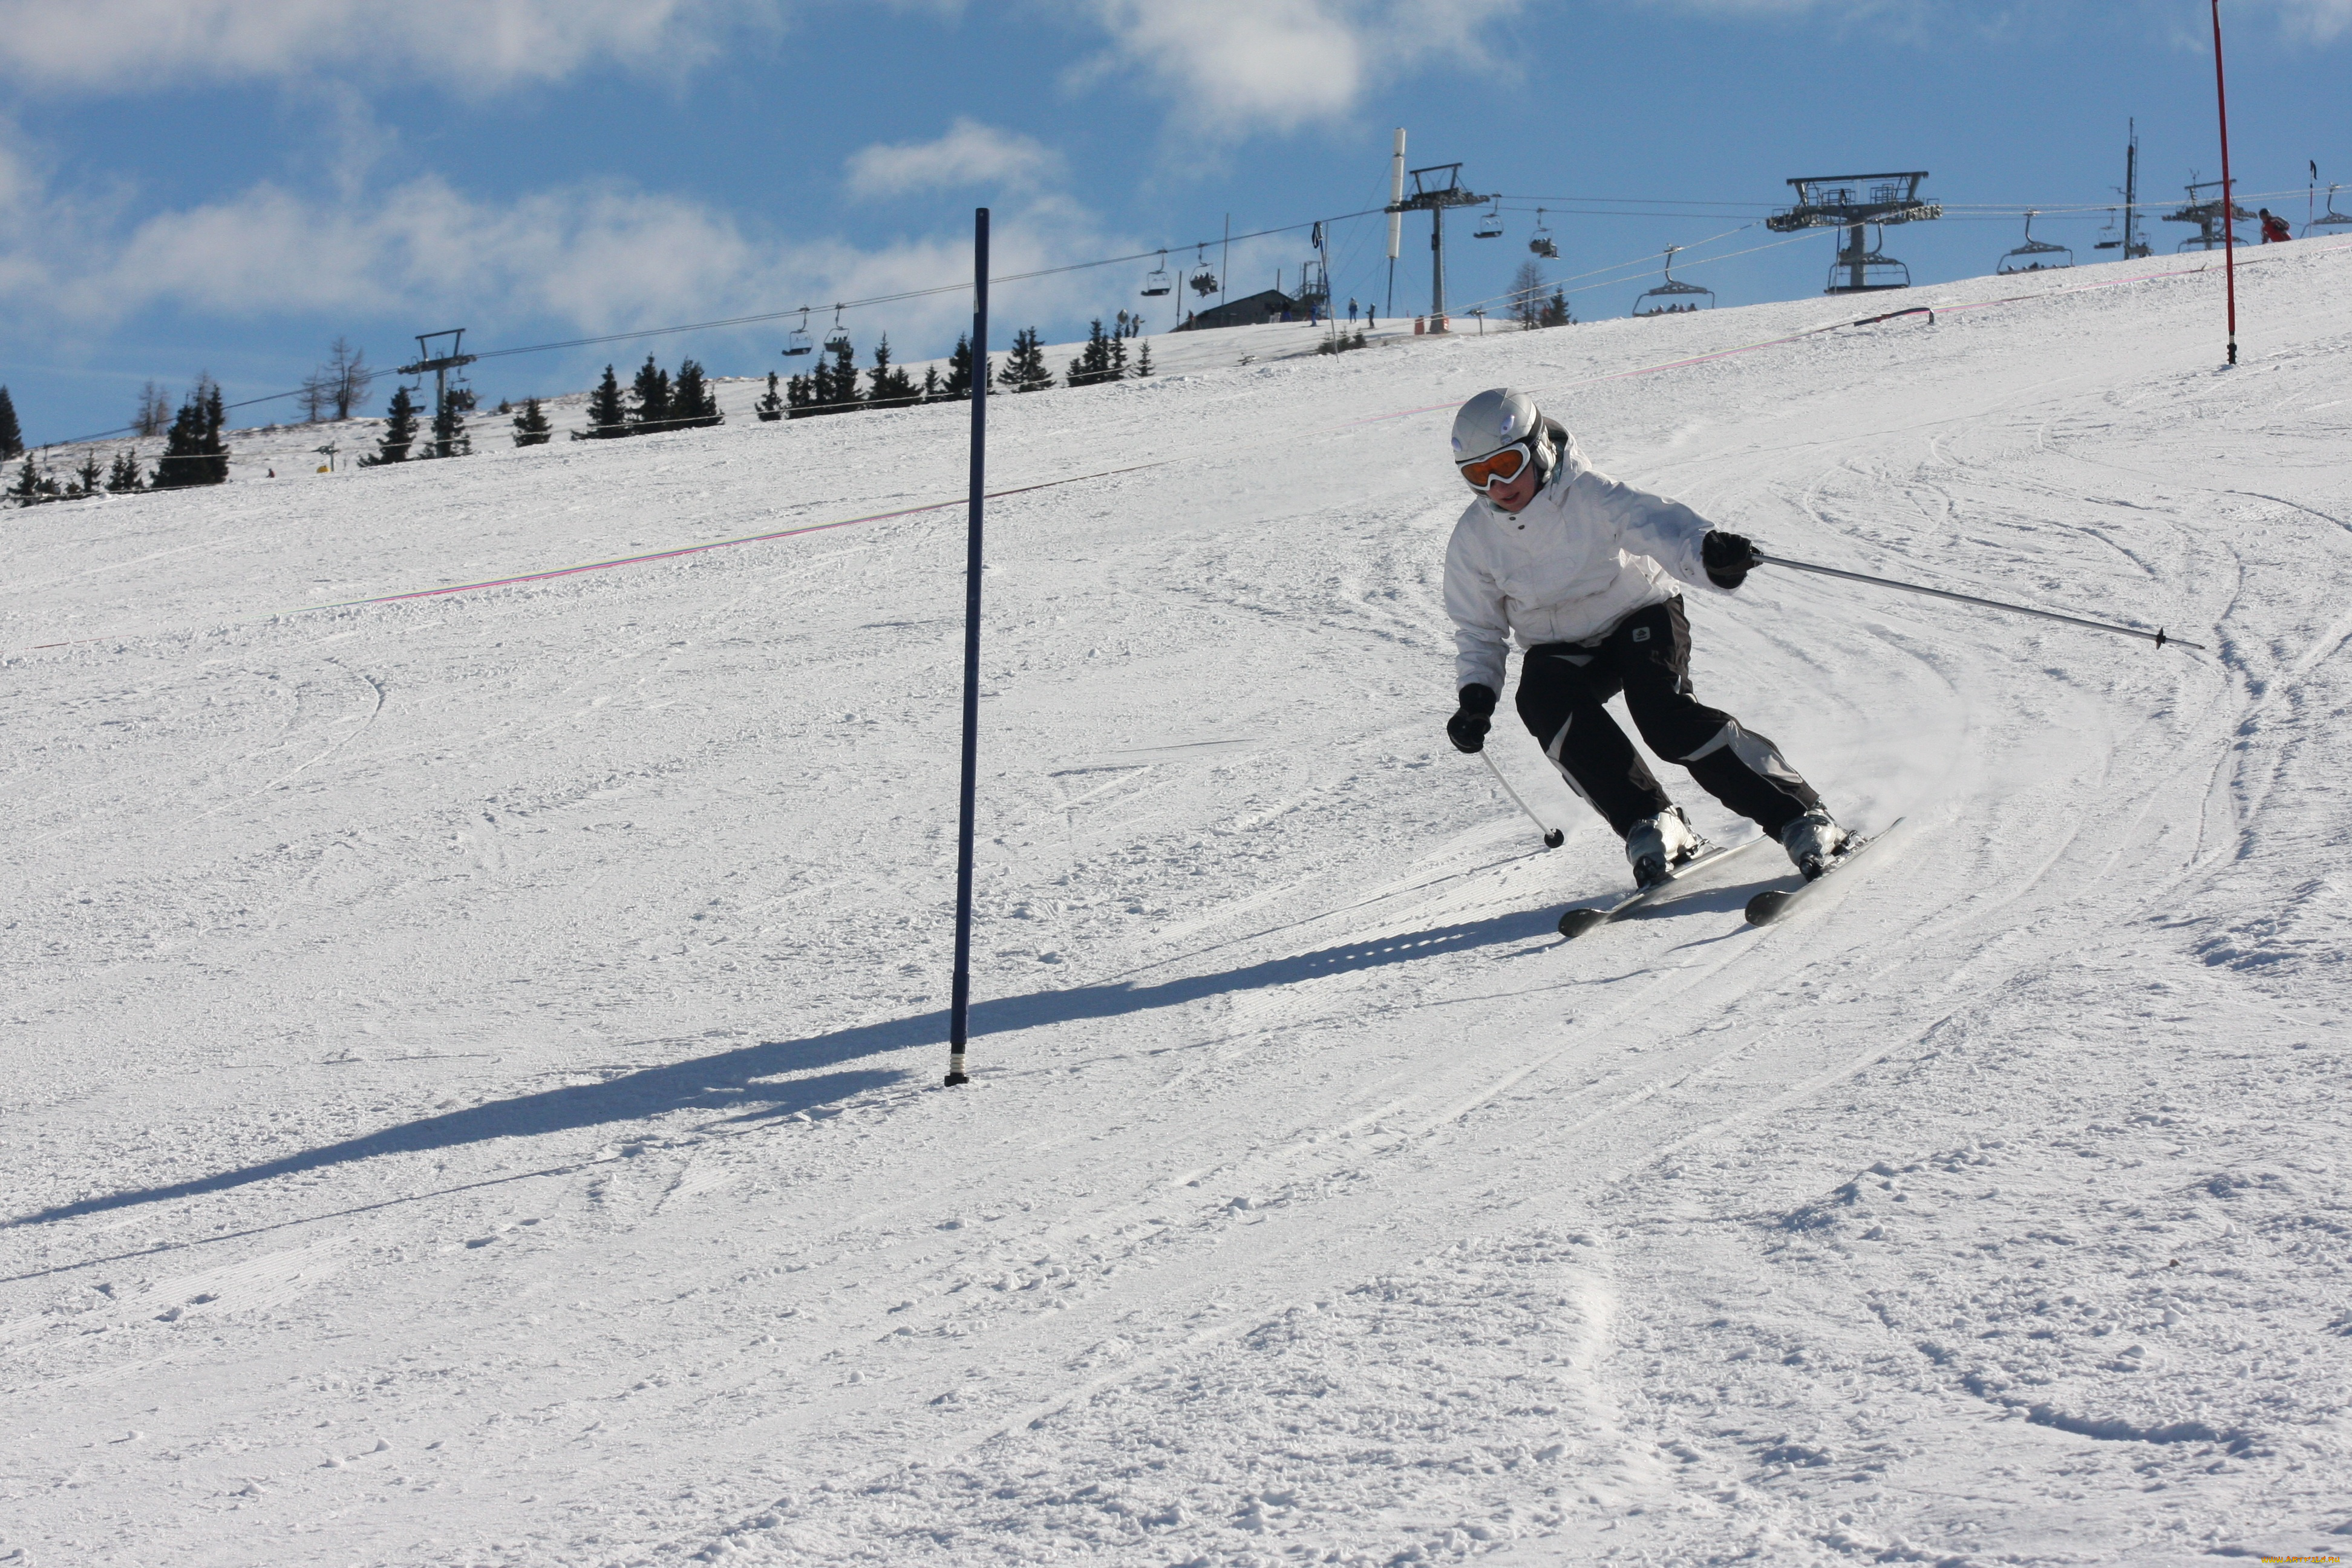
x=1515, y=495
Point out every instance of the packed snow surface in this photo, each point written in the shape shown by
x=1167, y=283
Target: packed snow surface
x=474, y=1062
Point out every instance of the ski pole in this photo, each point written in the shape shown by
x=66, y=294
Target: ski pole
x=1553, y=836
x=2157, y=637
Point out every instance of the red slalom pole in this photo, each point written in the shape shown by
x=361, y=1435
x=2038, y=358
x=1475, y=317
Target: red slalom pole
x=2229, y=207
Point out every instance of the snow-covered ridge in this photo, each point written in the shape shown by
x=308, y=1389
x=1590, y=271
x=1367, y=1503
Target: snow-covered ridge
x=473, y=1060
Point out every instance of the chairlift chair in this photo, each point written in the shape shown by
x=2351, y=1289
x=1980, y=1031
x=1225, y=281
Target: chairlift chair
x=2329, y=222
x=1540, y=242
x=2109, y=233
x=2034, y=255
x=836, y=340
x=1203, y=281
x=796, y=342
x=1157, y=282
x=1490, y=222
x=1671, y=298
x=1879, y=270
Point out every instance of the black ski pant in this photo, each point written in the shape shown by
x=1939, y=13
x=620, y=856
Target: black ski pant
x=1562, y=688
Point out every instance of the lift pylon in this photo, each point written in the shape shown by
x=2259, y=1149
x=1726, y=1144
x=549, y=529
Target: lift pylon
x=1855, y=202
x=1431, y=196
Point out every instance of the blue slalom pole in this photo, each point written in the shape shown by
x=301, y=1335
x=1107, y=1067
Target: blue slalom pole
x=959, y=1007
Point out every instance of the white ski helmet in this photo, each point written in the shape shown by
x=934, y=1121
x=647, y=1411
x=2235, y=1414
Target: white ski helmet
x=1496, y=418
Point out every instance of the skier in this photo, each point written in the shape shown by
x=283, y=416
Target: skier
x=2275, y=228
x=1580, y=568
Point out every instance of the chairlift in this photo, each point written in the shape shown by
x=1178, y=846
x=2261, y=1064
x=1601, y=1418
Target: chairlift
x=1490, y=222
x=2110, y=235
x=1671, y=298
x=1878, y=269
x=1540, y=242
x=836, y=340
x=2034, y=255
x=1157, y=282
x=1203, y=281
x=2330, y=221
x=796, y=342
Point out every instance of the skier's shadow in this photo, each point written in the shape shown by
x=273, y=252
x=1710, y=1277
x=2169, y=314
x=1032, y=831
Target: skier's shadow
x=742, y=1082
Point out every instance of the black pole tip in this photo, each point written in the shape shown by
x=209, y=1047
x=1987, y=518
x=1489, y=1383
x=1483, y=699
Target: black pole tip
x=2160, y=637
x=1555, y=838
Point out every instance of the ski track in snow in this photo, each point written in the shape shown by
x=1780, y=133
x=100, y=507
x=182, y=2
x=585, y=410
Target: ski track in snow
x=475, y=1058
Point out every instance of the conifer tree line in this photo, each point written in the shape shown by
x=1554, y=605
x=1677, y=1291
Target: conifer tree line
x=654, y=400
x=831, y=386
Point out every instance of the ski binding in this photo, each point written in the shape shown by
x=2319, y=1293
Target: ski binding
x=1772, y=903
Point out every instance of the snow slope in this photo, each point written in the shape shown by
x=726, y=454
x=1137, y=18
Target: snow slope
x=295, y=453
x=474, y=1059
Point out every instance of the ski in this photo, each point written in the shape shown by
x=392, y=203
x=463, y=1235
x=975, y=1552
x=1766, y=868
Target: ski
x=1774, y=902
x=1582, y=919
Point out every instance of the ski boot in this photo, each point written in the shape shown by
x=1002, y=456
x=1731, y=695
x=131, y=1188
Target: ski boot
x=1814, y=842
x=1656, y=844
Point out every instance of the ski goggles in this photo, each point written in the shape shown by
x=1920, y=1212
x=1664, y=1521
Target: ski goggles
x=1504, y=466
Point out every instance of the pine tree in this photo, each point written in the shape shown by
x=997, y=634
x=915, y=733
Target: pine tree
x=649, y=407
x=1094, y=364
x=771, y=407
x=1556, y=311
x=399, y=431
x=124, y=478
x=800, y=397
x=1024, y=368
x=958, y=385
x=607, y=417
x=930, y=384
x=888, y=387
x=1144, y=357
x=88, y=477
x=449, y=438
x=12, y=439
x=530, y=426
x=28, y=490
x=835, y=384
x=693, y=405
x=192, y=453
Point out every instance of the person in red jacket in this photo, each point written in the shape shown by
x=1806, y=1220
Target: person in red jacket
x=2275, y=228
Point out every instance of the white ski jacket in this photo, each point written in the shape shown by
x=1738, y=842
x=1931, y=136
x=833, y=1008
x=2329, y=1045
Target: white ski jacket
x=1585, y=554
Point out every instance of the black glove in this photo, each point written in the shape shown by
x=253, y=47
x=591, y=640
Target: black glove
x=1467, y=728
x=1728, y=558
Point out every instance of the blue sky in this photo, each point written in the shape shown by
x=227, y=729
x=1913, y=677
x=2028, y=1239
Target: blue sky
x=227, y=184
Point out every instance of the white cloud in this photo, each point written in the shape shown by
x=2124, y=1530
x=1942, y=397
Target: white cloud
x=1243, y=65
x=2321, y=21
x=971, y=153
x=139, y=45
x=576, y=260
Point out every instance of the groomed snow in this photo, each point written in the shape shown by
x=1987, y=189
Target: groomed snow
x=473, y=1062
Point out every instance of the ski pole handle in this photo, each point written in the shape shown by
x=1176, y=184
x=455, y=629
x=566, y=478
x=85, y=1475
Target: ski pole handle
x=1553, y=836
x=2159, y=637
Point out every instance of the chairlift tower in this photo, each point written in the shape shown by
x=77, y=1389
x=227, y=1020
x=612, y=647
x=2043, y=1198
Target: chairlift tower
x=1432, y=197
x=2133, y=243
x=2206, y=214
x=439, y=365
x=1853, y=203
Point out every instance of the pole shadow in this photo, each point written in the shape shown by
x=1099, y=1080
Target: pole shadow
x=738, y=1081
